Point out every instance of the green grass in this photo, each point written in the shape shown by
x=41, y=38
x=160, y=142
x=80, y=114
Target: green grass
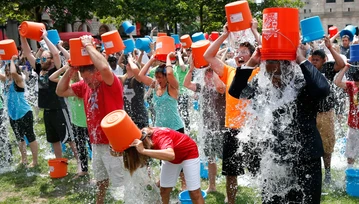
x=23, y=185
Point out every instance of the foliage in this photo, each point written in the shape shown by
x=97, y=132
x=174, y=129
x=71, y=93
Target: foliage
x=10, y=10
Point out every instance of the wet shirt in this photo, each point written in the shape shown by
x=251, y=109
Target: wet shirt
x=345, y=51
x=98, y=103
x=133, y=97
x=48, y=99
x=328, y=71
x=353, y=117
x=17, y=106
x=183, y=146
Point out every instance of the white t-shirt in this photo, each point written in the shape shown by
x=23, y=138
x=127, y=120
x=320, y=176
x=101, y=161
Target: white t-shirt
x=117, y=71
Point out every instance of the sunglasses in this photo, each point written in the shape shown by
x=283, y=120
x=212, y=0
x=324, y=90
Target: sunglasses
x=44, y=59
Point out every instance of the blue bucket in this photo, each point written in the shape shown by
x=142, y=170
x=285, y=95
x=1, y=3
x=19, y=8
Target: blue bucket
x=53, y=36
x=350, y=31
x=130, y=46
x=354, y=53
x=149, y=37
x=177, y=39
x=186, y=199
x=128, y=27
x=143, y=44
x=197, y=37
x=204, y=170
x=352, y=182
x=312, y=29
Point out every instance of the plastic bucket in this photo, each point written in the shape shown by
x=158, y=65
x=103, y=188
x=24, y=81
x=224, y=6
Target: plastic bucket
x=7, y=49
x=198, y=36
x=333, y=30
x=161, y=34
x=198, y=49
x=127, y=27
x=214, y=36
x=204, y=170
x=239, y=15
x=112, y=42
x=352, y=182
x=206, y=36
x=130, y=46
x=186, y=199
x=312, y=29
x=164, y=45
x=31, y=30
x=78, y=53
x=186, y=41
x=58, y=167
x=176, y=38
x=354, y=53
x=280, y=34
x=53, y=36
x=120, y=130
x=143, y=44
x=350, y=31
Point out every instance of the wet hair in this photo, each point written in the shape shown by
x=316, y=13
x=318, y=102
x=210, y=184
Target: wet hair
x=248, y=45
x=161, y=69
x=319, y=53
x=346, y=36
x=356, y=76
x=105, y=27
x=90, y=68
x=132, y=159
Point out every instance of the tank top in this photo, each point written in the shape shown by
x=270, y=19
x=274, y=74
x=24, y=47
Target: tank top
x=17, y=105
x=166, y=110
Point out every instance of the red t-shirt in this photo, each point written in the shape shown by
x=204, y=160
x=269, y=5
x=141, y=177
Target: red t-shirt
x=98, y=103
x=183, y=146
x=353, y=92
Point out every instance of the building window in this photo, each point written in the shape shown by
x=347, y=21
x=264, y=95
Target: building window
x=348, y=0
x=330, y=1
x=310, y=10
x=330, y=10
x=305, y=11
x=348, y=9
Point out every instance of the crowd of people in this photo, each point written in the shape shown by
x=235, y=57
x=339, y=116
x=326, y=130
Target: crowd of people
x=295, y=103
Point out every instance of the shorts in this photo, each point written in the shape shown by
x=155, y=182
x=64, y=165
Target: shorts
x=351, y=148
x=105, y=166
x=191, y=170
x=24, y=127
x=232, y=164
x=325, y=125
x=213, y=143
x=58, y=125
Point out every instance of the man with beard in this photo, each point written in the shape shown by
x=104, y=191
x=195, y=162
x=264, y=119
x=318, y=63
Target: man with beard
x=56, y=116
x=290, y=95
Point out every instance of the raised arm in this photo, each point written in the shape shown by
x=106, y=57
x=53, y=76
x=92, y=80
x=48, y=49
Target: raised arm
x=63, y=50
x=148, y=81
x=63, y=88
x=180, y=61
x=188, y=78
x=218, y=83
x=27, y=51
x=98, y=59
x=16, y=76
x=55, y=77
x=255, y=32
x=339, y=80
x=211, y=52
x=339, y=62
x=52, y=48
x=169, y=72
x=135, y=69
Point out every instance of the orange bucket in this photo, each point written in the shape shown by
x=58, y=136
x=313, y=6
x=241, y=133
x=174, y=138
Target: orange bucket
x=7, y=49
x=333, y=30
x=120, y=130
x=186, y=41
x=239, y=15
x=58, y=167
x=31, y=30
x=198, y=50
x=161, y=34
x=164, y=45
x=78, y=53
x=112, y=42
x=280, y=34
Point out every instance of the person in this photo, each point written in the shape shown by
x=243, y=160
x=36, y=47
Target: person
x=56, y=116
x=212, y=102
x=102, y=93
x=19, y=111
x=232, y=165
x=294, y=144
x=176, y=150
x=325, y=118
x=352, y=88
x=116, y=69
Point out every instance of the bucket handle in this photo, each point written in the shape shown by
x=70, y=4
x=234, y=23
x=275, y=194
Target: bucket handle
x=277, y=31
x=65, y=162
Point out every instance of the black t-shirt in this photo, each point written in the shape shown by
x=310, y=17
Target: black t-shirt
x=48, y=99
x=133, y=98
x=329, y=102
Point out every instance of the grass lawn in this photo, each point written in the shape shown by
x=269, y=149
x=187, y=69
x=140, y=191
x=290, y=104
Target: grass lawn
x=22, y=185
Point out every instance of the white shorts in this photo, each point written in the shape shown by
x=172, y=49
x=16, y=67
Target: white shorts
x=106, y=166
x=191, y=170
x=352, y=146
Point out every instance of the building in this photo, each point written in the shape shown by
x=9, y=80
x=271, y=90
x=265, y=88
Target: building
x=339, y=13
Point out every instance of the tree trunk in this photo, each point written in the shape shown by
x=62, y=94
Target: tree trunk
x=38, y=14
x=201, y=16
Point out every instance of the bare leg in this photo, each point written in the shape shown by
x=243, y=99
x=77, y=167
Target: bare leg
x=101, y=193
x=22, y=148
x=212, y=173
x=165, y=195
x=231, y=188
x=196, y=196
x=183, y=181
x=327, y=161
x=57, y=149
x=34, y=151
